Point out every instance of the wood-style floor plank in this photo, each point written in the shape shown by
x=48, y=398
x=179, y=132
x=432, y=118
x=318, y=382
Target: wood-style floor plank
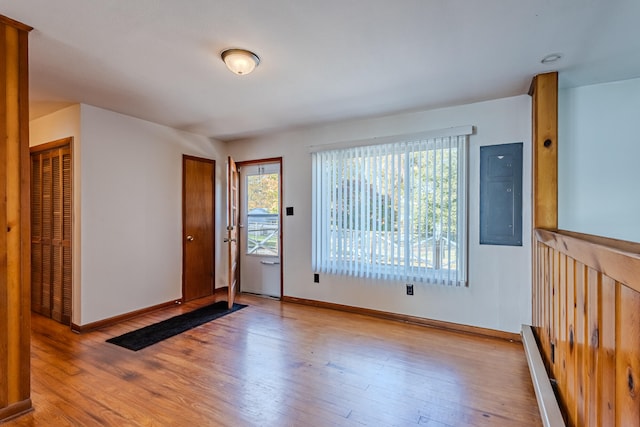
x=278, y=364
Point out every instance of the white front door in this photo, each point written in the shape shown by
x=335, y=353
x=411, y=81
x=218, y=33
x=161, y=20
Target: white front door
x=260, y=211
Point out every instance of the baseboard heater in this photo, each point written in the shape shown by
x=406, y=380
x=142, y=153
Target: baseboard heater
x=547, y=402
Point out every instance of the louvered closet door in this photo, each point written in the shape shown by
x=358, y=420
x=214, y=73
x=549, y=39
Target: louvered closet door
x=51, y=233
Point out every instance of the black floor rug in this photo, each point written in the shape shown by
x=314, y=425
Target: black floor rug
x=149, y=335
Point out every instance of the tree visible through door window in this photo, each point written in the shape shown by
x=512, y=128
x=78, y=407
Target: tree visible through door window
x=263, y=214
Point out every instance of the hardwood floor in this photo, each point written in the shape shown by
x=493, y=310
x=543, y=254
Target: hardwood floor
x=278, y=364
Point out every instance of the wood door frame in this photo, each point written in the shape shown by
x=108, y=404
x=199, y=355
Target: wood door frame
x=280, y=232
x=52, y=145
x=186, y=157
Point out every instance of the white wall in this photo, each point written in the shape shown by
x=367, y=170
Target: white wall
x=131, y=210
x=499, y=291
x=61, y=124
x=598, y=154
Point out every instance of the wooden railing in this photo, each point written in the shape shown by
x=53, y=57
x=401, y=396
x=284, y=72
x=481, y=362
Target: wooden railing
x=586, y=318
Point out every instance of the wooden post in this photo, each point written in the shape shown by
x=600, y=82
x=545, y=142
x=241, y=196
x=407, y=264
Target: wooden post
x=544, y=93
x=544, y=181
x=15, y=251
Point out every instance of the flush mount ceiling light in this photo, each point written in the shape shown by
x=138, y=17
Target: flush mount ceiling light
x=240, y=61
x=551, y=58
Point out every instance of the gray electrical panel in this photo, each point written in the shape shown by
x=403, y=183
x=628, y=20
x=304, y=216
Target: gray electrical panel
x=501, y=194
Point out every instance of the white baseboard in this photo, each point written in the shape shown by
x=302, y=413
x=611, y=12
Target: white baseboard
x=547, y=402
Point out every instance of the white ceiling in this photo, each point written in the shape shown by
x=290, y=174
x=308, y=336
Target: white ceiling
x=322, y=60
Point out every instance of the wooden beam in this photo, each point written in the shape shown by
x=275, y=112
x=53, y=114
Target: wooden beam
x=544, y=180
x=544, y=93
x=15, y=245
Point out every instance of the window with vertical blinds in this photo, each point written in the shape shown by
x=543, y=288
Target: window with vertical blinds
x=394, y=210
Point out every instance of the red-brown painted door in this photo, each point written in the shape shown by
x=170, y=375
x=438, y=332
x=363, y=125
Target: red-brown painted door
x=198, y=195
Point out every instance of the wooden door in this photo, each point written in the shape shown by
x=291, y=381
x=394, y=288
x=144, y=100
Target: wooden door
x=198, y=195
x=51, y=210
x=233, y=199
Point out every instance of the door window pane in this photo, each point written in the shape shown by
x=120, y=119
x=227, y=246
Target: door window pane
x=263, y=214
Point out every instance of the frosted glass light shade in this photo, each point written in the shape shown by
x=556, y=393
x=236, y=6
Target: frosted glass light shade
x=240, y=61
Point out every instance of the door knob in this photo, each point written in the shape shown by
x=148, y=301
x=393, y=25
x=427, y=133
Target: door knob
x=229, y=240
x=190, y=238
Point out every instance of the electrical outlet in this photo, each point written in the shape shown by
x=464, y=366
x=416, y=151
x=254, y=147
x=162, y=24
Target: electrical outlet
x=409, y=289
x=316, y=278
